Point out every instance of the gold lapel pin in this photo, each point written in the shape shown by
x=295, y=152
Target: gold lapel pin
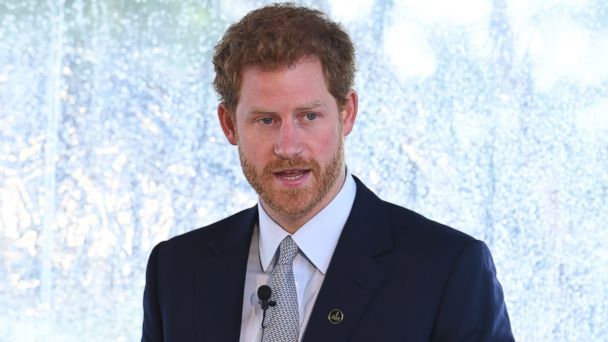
x=335, y=316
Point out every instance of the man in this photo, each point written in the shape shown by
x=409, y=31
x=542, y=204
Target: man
x=341, y=264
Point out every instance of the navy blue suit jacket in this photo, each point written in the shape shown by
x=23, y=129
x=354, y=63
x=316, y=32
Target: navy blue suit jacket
x=395, y=275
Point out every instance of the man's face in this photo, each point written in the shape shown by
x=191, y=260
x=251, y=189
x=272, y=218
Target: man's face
x=289, y=132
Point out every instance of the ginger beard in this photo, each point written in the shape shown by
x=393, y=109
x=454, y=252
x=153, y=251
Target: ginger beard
x=295, y=202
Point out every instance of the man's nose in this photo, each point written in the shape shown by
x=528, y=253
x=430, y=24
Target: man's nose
x=288, y=144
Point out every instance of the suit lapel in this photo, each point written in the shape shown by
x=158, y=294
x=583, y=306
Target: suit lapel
x=220, y=279
x=354, y=274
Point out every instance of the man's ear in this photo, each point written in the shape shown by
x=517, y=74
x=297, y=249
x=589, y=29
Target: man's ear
x=227, y=121
x=349, y=112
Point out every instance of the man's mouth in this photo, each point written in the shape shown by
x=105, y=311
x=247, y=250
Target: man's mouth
x=292, y=175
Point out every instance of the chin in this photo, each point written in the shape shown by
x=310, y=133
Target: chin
x=293, y=205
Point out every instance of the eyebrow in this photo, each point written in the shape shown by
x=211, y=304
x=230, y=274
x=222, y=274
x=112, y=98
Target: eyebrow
x=312, y=105
x=304, y=107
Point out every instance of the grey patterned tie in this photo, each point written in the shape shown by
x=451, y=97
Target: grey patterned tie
x=283, y=319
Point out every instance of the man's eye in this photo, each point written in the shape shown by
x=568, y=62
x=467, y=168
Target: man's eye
x=311, y=116
x=266, y=121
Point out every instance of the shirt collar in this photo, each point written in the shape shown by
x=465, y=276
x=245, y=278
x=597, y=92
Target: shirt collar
x=318, y=237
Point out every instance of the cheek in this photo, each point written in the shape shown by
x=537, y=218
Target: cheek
x=326, y=144
x=254, y=148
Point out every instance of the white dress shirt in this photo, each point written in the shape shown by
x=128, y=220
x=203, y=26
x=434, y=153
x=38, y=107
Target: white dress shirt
x=317, y=241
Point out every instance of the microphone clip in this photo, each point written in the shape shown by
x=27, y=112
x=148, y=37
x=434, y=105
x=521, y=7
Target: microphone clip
x=264, y=294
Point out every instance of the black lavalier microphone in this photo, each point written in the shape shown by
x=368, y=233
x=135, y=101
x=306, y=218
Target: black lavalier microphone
x=264, y=293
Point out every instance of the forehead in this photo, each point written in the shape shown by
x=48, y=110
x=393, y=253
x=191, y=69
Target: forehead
x=306, y=65
x=302, y=82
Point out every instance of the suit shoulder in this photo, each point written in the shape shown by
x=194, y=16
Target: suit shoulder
x=195, y=239
x=416, y=227
x=412, y=232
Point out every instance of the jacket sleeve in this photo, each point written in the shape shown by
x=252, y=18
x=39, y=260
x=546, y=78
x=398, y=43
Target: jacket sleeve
x=472, y=304
x=152, y=329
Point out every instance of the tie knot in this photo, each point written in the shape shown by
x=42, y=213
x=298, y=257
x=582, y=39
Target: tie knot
x=288, y=250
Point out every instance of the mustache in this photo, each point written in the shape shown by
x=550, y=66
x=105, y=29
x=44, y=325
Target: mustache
x=280, y=165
